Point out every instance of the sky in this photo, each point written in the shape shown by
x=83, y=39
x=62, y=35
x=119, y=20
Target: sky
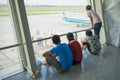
x=57, y=2
x=53, y=2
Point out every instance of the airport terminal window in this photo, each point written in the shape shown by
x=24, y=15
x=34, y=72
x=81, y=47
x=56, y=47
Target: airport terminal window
x=46, y=18
x=6, y=28
x=50, y=17
x=9, y=58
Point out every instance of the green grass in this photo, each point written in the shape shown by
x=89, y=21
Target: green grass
x=4, y=11
x=52, y=10
x=44, y=10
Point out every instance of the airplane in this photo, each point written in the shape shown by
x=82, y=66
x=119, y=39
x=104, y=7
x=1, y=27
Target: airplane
x=79, y=22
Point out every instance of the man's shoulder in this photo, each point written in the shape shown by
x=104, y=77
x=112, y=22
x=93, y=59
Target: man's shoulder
x=73, y=42
x=62, y=45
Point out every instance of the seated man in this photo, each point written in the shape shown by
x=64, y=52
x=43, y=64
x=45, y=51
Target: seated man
x=75, y=48
x=92, y=43
x=62, y=50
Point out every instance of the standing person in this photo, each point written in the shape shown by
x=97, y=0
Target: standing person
x=92, y=43
x=95, y=20
x=64, y=54
x=75, y=48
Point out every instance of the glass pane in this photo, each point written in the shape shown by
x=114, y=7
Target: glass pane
x=9, y=62
x=42, y=46
x=6, y=29
x=9, y=58
x=49, y=17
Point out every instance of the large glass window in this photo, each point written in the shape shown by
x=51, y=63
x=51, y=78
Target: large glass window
x=9, y=62
x=49, y=17
x=9, y=58
x=6, y=28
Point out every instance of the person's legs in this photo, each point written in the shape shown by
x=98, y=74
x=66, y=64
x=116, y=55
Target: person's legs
x=97, y=28
x=55, y=63
x=88, y=47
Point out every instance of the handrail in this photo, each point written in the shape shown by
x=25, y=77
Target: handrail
x=15, y=45
x=60, y=35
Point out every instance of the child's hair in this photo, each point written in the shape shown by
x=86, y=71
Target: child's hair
x=56, y=39
x=88, y=7
x=70, y=36
x=88, y=32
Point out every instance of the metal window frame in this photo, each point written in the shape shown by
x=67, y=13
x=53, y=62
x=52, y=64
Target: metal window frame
x=22, y=31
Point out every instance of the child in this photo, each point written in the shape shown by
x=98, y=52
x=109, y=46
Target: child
x=92, y=43
x=75, y=48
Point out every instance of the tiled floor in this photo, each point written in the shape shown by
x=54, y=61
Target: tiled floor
x=106, y=66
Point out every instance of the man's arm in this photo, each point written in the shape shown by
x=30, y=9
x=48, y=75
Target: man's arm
x=91, y=21
x=46, y=54
x=83, y=45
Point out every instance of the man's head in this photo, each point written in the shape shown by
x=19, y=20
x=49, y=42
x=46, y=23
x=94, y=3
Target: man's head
x=70, y=36
x=89, y=33
x=56, y=39
x=88, y=7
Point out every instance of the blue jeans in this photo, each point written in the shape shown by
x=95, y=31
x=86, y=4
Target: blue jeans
x=97, y=28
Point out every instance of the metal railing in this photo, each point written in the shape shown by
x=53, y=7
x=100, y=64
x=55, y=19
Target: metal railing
x=15, y=45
